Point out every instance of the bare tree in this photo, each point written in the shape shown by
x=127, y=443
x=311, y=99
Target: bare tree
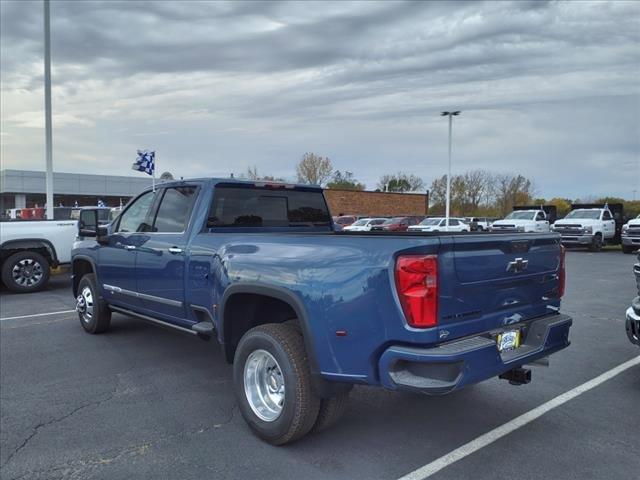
x=476, y=185
x=252, y=173
x=314, y=169
x=438, y=191
x=512, y=190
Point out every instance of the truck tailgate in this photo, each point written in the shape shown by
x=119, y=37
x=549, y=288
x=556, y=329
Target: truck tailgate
x=500, y=279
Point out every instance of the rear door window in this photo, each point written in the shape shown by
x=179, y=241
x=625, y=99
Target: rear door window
x=175, y=208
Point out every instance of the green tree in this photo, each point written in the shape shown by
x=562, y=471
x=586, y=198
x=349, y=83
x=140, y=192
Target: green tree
x=344, y=181
x=400, y=182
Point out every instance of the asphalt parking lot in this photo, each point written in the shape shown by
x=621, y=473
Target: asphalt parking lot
x=142, y=402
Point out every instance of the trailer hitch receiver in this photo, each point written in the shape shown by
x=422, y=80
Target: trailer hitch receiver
x=517, y=376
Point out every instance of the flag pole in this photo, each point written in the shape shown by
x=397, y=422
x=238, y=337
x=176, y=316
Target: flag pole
x=153, y=173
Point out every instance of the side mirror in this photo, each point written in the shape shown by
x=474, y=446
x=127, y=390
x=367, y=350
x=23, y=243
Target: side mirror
x=102, y=234
x=88, y=223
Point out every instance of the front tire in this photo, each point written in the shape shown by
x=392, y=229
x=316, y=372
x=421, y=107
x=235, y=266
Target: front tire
x=596, y=243
x=272, y=383
x=25, y=272
x=94, y=315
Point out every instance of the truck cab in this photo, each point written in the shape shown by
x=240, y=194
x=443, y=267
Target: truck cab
x=525, y=221
x=587, y=226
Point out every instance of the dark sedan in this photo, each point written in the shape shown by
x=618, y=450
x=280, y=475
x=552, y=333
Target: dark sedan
x=396, y=224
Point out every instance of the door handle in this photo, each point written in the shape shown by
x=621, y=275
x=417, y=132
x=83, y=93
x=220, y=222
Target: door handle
x=175, y=250
x=129, y=247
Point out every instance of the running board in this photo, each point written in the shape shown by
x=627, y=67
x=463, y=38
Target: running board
x=155, y=321
x=204, y=330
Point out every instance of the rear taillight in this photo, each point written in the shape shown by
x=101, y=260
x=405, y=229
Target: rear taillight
x=562, y=276
x=417, y=285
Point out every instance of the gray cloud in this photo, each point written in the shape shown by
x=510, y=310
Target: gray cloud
x=549, y=89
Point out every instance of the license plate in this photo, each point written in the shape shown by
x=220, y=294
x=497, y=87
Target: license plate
x=509, y=340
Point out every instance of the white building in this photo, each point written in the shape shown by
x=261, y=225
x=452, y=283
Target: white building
x=26, y=189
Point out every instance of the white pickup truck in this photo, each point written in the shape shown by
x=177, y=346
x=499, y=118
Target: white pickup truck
x=523, y=221
x=631, y=235
x=28, y=250
x=587, y=227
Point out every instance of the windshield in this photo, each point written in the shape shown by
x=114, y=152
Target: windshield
x=360, y=223
x=391, y=221
x=431, y=221
x=378, y=221
x=586, y=214
x=522, y=215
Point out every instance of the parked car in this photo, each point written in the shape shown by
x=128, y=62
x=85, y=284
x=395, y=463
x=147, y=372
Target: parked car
x=29, y=249
x=396, y=224
x=590, y=226
x=344, y=220
x=439, y=224
x=631, y=235
x=303, y=313
x=633, y=312
x=364, y=224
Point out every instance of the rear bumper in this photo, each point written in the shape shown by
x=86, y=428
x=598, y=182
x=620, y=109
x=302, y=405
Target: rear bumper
x=633, y=322
x=448, y=367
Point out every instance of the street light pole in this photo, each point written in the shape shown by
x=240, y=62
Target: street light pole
x=47, y=111
x=448, y=199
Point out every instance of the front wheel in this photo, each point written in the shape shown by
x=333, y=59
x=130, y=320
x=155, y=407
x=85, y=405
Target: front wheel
x=25, y=272
x=95, y=316
x=596, y=243
x=272, y=383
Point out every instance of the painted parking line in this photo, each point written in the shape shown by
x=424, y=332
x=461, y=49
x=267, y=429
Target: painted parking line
x=490, y=437
x=37, y=315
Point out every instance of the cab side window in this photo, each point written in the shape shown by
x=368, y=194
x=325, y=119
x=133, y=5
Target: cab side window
x=135, y=217
x=540, y=216
x=606, y=215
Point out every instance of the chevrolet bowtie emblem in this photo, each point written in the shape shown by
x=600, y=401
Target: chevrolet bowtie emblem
x=518, y=265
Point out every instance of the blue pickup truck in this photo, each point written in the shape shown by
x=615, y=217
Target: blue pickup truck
x=304, y=312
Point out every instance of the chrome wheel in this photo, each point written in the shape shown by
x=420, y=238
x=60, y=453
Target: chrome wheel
x=84, y=304
x=27, y=272
x=264, y=385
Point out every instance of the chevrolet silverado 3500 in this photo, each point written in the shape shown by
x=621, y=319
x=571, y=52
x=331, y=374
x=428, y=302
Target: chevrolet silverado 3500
x=304, y=313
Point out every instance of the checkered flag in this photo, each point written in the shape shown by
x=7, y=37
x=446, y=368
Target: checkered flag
x=146, y=162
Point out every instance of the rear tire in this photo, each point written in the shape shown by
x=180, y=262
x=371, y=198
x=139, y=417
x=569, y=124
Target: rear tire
x=94, y=315
x=25, y=272
x=331, y=410
x=272, y=383
x=596, y=243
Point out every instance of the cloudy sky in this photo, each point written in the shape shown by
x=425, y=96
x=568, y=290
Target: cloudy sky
x=549, y=90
